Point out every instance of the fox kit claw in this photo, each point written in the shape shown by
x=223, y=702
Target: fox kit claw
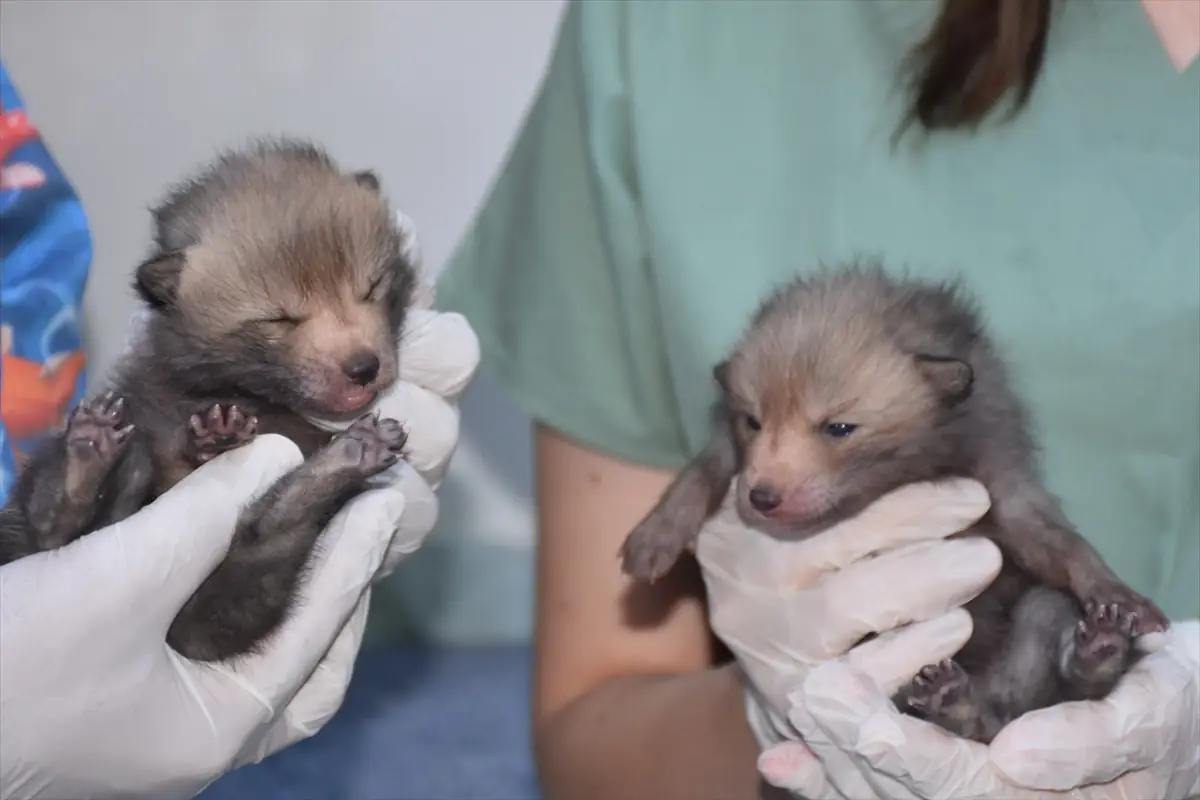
x=218, y=431
x=369, y=446
x=95, y=437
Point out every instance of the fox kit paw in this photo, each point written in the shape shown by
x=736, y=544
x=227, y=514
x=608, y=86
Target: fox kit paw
x=218, y=431
x=1146, y=617
x=941, y=690
x=650, y=550
x=368, y=447
x=94, y=430
x=1101, y=643
x=94, y=438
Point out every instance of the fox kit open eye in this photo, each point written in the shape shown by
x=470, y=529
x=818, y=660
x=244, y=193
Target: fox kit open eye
x=839, y=430
x=750, y=421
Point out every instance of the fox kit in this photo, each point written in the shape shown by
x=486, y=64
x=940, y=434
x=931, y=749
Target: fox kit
x=278, y=292
x=847, y=386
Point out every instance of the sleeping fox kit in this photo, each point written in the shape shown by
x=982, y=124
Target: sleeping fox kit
x=278, y=291
x=852, y=383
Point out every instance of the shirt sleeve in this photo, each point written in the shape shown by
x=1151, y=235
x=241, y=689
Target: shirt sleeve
x=554, y=272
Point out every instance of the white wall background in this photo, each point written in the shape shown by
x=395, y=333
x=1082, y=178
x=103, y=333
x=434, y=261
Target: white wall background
x=130, y=95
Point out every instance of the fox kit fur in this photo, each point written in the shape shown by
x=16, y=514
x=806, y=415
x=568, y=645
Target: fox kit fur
x=853, y=383
x=278, y=292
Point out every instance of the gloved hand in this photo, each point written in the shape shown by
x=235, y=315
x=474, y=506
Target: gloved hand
x=101, y=734
x=1142, y=741
x=784, y=608
x=93, y=703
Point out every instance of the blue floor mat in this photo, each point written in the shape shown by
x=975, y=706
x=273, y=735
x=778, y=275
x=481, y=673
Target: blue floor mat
x=417, y=724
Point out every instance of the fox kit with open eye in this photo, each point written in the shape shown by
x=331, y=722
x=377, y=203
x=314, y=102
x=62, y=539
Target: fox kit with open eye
x=278, y=291
x=851, y=384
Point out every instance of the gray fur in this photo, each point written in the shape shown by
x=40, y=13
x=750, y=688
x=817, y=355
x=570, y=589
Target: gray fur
x=272, y=271
x=908, y=369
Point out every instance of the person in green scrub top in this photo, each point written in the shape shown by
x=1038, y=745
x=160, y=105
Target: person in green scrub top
x=683, y=158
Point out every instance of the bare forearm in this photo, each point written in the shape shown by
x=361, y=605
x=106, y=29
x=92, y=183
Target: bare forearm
x=645, y=736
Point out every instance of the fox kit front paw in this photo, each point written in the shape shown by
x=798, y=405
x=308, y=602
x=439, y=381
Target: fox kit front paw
x=368, y=447
x=652, y=549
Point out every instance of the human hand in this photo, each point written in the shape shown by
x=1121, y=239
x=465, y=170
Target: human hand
x=93, y=703
x=1142, y=741
x=439, y=355
x=784, y=607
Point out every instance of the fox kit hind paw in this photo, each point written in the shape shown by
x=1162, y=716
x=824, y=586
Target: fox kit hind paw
x=368, y=447
x=1146, y=616
x=218, y=431
x=1100, y=649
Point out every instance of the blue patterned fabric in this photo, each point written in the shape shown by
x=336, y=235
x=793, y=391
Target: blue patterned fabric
x=46, y=252
x=418, y=723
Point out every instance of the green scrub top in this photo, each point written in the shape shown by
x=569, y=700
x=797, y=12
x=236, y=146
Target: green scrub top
x=683, y=158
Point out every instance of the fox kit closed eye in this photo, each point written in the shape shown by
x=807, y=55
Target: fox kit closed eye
x=278, y=291
x=847, y=386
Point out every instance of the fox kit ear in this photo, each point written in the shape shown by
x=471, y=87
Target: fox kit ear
x=368, y=179
x=157, y=280
x=721, y=375
x=951, y=378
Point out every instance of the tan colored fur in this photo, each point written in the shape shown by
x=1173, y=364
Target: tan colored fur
x=849, y=370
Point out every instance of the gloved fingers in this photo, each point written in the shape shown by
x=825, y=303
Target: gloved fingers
x=792, y=766
x=910, y=584
x=320, y=698
x=890, y=661
x=840, y=768
x=1075, y=744
x=321, y=695
x=889, y=746
x=347, y=556
x=894, y=657
x=420, y=516
x=439, y=352
x=1183, y=639
x=918, y=512
x=776, y=631
x=425, y=290
x=432, y=425
x=166, y=550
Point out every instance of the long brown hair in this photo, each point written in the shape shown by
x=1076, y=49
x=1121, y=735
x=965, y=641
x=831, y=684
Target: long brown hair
x=977, y=53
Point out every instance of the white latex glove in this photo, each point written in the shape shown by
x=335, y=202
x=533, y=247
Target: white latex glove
x=93, y=703
x=206, y=720
x=1142, y=741
x=785, y=607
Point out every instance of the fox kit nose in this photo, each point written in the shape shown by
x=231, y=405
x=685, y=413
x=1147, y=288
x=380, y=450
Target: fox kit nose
x=361, y=368
x=764, y=498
